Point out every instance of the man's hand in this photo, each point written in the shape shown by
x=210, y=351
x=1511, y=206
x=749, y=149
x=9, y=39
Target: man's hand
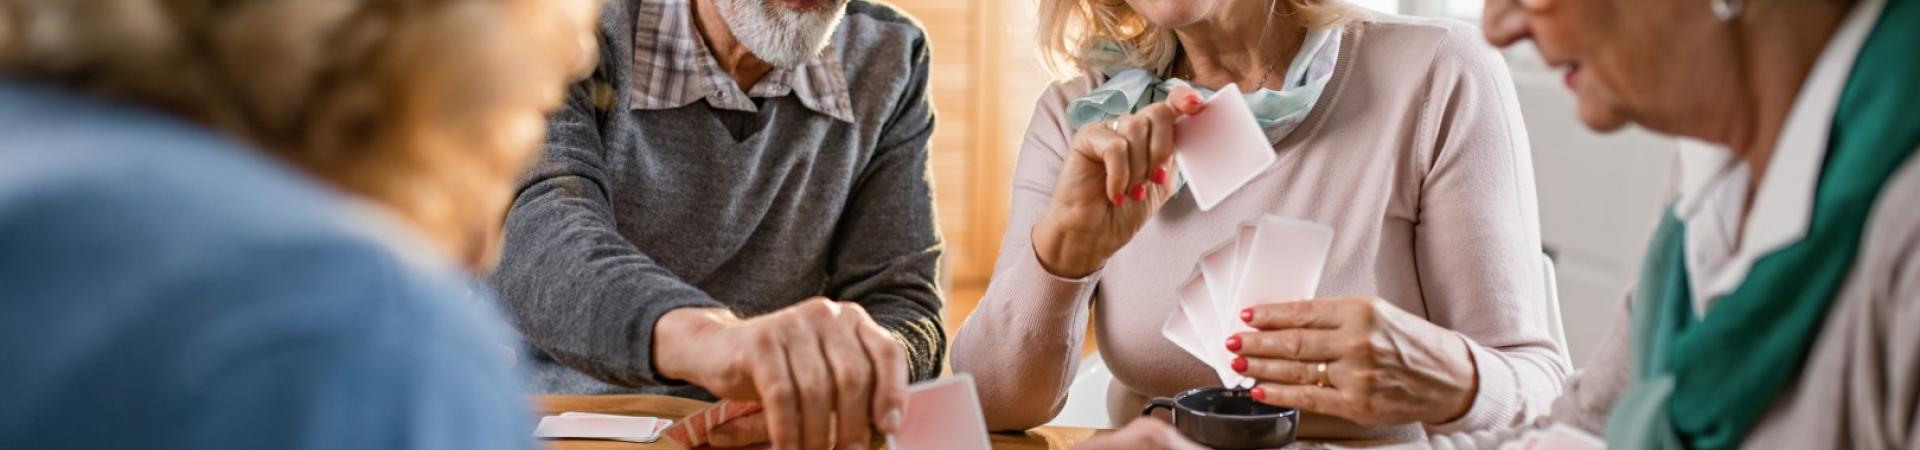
x=823, y=369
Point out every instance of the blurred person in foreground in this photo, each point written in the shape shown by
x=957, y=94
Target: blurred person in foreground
x=252, y=224
x=736, y=205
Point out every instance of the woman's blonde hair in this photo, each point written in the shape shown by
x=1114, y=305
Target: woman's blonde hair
x=429, y=107
x=1071, y=32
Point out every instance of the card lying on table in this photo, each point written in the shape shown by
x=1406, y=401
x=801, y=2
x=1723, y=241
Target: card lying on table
x=942, y=414
x=1221, y=148
x=579, y=425
x=1272, y=259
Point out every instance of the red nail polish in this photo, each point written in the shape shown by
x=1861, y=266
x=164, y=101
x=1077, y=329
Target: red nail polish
x=1258, y=393
x=1240, y=364
x=1193, y=101
x=1117, y=198
x=1246, y=315
x=1139, y=192
x=1233, y=343
x=1159, y=175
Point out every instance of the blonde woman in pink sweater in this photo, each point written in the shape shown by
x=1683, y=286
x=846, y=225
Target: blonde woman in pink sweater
x=1401, y=134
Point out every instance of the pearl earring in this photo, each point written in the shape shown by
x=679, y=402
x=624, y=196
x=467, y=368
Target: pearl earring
x=1725, y=10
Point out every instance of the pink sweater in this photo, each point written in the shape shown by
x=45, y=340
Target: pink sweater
x=1416, y=156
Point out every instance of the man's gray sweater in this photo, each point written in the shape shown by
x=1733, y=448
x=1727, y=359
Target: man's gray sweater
x=631, y=213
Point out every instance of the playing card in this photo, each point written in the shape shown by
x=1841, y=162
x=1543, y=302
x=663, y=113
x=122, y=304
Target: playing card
x=1282, y=263
x=942, y=414
x=600, y=426
x=697, y=430
x=1218, y=266
x=1221, y=148
x=1180, y=331
x=1227, y=309
x=1196, y=303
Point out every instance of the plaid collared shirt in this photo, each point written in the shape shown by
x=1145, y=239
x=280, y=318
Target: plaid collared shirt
x=672, y=67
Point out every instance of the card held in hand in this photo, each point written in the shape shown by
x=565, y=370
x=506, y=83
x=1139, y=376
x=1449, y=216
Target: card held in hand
x=1221, y=148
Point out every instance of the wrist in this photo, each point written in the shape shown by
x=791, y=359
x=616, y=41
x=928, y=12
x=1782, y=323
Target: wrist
x=1469, y=379
x=678, y=335
x=1059, y=253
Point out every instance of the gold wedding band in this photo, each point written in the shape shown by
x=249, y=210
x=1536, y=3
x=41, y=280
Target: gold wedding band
x=1113, y=125
x=1322, y=369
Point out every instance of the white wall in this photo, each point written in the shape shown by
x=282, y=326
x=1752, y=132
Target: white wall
x=1600, y=197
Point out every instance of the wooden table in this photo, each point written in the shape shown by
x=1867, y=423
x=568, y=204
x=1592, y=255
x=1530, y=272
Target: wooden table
x=1043, y=438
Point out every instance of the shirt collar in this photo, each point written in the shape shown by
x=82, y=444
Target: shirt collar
x=672, y=67
x=1783, y=207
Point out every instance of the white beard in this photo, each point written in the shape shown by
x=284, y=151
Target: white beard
x=784, y=38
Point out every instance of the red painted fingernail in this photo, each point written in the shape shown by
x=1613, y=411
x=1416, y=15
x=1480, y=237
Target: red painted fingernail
x=1246, y=315
x=1233, y=343
x=1117, y=198
x=1159, y=175
x=1240, y=365
x=1258, y=393
x=1139, y=192
x=1193, y=101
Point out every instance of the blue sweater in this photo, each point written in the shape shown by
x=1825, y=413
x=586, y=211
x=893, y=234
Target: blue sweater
x=164, y=287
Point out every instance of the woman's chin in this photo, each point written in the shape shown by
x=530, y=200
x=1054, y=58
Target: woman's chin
x=1601, y=118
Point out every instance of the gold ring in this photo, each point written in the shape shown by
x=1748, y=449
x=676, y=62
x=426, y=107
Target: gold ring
x=1322, y=369
x=1113, y=125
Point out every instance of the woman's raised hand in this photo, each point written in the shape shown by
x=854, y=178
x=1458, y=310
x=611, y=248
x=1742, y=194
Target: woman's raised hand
x=1360, y=359
x=1117, y=173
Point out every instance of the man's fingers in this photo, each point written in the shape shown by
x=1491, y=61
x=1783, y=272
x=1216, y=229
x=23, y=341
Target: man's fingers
x=778, y=394
x=1294, y=343
x=740, y=432
x=815, y=385
x=852, y=377
x=1295, y=314
x=890, y=375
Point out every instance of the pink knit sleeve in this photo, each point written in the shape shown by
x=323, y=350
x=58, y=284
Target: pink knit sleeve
x=1477, y=244
x=1022, y=345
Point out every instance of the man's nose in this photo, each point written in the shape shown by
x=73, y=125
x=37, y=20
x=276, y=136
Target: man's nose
x=1504, y=22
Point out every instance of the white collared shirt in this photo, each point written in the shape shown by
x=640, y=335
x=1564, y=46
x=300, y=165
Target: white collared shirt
x=1713, y=184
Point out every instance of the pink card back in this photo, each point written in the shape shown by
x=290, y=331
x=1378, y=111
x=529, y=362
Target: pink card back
x=1221, y=148
x=942, y=414
x=1229, y=309
x=1284, y=263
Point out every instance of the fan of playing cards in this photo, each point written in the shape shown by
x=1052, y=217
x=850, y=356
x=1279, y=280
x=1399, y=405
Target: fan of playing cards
x=1272, y=259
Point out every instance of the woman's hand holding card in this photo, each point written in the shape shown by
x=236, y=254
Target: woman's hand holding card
x=1360, y=359
x=1114, y=177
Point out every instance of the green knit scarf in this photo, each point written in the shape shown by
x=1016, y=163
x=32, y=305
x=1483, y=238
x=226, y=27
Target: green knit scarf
x=1704, y=382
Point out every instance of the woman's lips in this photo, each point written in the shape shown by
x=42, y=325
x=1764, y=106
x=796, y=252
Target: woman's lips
x=1573, y=75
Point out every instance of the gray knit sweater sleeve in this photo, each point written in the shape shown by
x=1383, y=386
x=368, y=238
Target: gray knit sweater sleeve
x=886, y=252
x=579, y=291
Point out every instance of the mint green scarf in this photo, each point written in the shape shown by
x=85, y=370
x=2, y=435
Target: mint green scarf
x=1127, y=88
x=1704, y=382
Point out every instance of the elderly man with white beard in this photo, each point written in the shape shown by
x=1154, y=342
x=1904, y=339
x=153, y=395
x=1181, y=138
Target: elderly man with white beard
x=718, y=214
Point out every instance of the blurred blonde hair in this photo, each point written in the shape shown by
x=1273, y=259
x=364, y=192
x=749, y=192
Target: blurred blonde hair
x=1071, y=30
x=429, y=107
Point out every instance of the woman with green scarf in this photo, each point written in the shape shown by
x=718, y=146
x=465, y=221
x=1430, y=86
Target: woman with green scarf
x=1779, y=304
